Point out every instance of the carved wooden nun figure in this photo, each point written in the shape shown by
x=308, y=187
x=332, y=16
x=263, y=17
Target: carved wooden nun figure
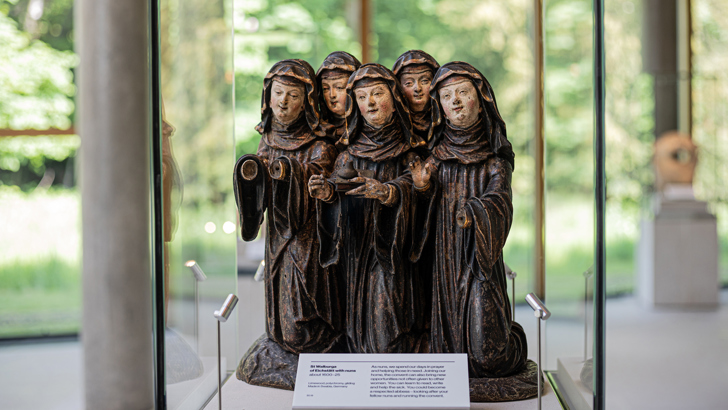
x=332, y=77
x=415, y=70
x=471, y=166
x=365, y=231
x=303, y=312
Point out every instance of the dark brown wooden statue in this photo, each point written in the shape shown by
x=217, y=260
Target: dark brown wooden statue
x=415, y=70
x=471, y=166
x=303, y=311
x=332, y=78
x=366, y=231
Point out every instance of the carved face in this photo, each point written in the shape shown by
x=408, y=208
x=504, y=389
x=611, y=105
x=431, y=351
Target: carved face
x=375, y=104
x=460, y=102
x=334, y=89
x=286, y=101
x=416, y=87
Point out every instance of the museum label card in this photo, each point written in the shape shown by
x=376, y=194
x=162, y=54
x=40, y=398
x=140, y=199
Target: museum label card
x=382, y=381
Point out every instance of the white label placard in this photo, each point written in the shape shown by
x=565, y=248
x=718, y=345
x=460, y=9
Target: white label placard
x=382, y=381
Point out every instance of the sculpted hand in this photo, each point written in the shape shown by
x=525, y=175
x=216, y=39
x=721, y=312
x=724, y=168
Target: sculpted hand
x=249, y=170
x=464, y=218
x=279, y=170
x=371, y=189
x=421, y=173
x=319, y=188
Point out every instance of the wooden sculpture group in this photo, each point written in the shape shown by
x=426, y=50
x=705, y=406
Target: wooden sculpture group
x=388, y=195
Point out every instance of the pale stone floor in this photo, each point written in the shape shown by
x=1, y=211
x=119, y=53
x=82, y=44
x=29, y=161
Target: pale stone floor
x=656, y=359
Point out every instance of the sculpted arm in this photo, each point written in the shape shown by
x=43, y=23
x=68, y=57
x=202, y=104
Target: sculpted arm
x=319, y=187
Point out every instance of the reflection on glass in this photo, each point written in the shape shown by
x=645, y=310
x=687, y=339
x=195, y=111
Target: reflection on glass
x=197, y=156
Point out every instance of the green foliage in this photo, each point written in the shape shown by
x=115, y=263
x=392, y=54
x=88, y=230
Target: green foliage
x=267, y=31
x=54, y=27
x=34, y=152
x=36, y=81
x=39, y=296
x=40, y=312
x=497, y=39
x=710, y=103
x=197, y=91
x=492, y=36
x=50, y=273
x=246, y=146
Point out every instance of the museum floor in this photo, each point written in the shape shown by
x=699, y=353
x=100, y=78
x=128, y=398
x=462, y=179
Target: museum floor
x=656, y=359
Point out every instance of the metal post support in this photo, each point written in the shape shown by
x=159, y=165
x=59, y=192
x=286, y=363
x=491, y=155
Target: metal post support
x=222, y=315
x=538, y=326
x=197, y=319
x=512, y=276
x=199, y=276
x=587, y=274
x=260, y=272
x=539, y=206
x=586, y=321
x=541, y=313
x=219, y=369
x=600, y=195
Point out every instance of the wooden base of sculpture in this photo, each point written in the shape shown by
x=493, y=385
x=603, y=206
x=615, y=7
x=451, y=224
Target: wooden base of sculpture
x=520, y=386
x=267, y=364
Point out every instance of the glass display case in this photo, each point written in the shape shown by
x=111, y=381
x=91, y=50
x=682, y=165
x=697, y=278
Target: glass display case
x=213, y=54
x=213, y=58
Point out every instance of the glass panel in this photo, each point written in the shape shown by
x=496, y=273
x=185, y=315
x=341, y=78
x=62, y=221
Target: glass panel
x=40, y=209
x=664, y=257
x=499, y=44
x=710, y=122
x=40, y=243
x=569, y=194
x=199, y=208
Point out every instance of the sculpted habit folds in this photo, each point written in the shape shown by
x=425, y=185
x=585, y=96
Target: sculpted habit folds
x=365, y=231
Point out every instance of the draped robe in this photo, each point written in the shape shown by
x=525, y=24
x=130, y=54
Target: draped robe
x=335, y=130
x=421, y=124
x=368, y=242
x=303, y=311
x=470, y=307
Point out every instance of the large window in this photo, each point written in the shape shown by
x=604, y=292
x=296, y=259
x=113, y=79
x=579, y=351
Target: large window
x=40, y=281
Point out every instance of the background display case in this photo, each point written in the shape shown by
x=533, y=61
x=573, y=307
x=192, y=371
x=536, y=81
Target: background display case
x=200, y=78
